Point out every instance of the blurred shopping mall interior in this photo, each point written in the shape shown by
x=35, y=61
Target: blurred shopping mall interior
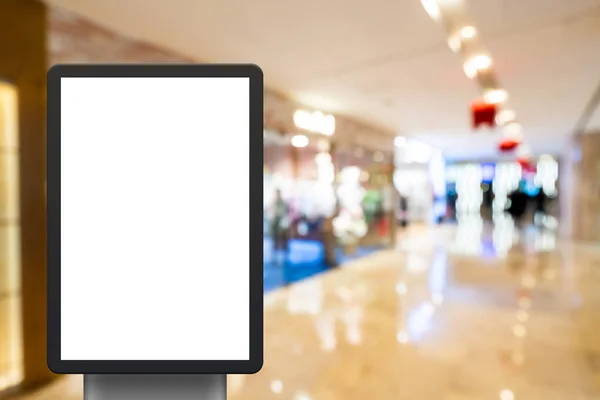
x=431, y=188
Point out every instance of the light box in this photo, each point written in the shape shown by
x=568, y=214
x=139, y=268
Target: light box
x=155, y=219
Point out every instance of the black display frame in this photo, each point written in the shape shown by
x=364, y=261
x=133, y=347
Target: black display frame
x=53, y=144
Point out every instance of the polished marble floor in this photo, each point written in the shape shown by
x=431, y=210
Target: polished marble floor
x=454, y=313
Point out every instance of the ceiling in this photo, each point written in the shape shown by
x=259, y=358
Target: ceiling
x=387, y=62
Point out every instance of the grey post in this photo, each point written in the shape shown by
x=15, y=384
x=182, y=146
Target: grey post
x=155, y=387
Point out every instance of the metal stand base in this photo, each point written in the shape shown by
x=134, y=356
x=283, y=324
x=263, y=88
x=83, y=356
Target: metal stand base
x=155, y=387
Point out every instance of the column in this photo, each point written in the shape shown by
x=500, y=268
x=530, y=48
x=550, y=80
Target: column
x=295, y=169
x=579, y=192
x=395, y=200
x=329, y=238
x=23, y=65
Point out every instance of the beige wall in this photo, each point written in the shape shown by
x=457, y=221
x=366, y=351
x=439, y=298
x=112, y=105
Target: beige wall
x=23, y=33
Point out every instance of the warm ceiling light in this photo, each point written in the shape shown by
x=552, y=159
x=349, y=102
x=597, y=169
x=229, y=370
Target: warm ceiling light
x=481, y=62
x=468, y=32
x=454, y=43
x=513, y=129
x=470, y=71
x=476, y=64
x=495, y=96
x=432, y=8
x=299, y=141
x=449, y=3
x=505, y=116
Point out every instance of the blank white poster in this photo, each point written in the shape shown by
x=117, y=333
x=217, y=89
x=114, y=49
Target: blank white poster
x=155, y=219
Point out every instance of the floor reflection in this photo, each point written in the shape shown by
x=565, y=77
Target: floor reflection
x=475, y=311
x=303, y=259
x=494, y=312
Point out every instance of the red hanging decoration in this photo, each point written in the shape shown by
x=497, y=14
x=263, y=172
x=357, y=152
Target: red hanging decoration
x=483, y=114
x=527, y=165
x=523, y=154
x=508, y=144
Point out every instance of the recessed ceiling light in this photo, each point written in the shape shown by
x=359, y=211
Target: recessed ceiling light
x=505, y=116
x=476, y=64
x=454, y=43
x=495, y=96
x=432, y=9
x=468, y=32
x=470, y=71
x=481, y=62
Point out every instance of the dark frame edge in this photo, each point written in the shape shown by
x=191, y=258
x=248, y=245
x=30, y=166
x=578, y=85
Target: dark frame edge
x=256, y=347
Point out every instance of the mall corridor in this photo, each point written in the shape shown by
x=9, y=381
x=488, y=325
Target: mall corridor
x=454, y=313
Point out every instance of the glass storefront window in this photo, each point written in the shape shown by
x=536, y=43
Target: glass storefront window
x=350, y=225
x=506, y=179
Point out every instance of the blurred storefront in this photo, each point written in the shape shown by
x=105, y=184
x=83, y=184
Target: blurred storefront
x=366, y=195
x=419, y=177
x=483, y=188
x=328, y=178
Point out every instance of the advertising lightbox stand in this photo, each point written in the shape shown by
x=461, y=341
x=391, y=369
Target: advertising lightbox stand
x=155, y=282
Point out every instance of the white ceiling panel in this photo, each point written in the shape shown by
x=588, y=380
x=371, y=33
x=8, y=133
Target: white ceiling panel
x=386, y=61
